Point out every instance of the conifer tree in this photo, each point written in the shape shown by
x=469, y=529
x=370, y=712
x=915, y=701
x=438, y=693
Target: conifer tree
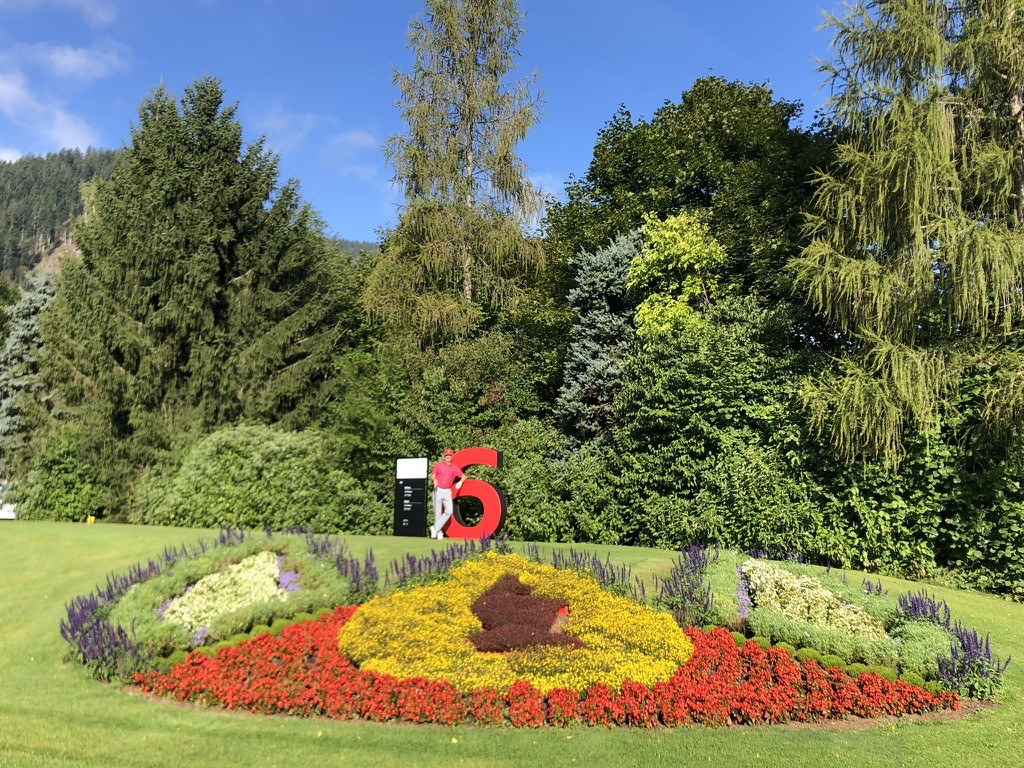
x=917, y=251
x=459, y=244
x=25, y=401
x=601, y=338
x=201, y=296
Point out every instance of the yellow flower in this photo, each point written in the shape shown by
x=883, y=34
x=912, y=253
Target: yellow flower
x=424, y=632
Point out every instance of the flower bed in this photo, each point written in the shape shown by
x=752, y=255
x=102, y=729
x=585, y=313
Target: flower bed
x=473, y=635
x=912, y=635
x=208, y=595
x=302, y=672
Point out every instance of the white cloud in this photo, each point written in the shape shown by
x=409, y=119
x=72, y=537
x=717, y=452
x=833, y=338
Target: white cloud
x=67, y=130
x=13, y=93
x=41, y=118
x=97, y=13
x=548, y=183
x=354, y=141
x=67, y=61
x=356, y=153
x=288, y=131
x=9, y=154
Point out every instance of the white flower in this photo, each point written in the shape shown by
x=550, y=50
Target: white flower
x=254, y=580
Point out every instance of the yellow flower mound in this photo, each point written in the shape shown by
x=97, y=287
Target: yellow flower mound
x=424, y=632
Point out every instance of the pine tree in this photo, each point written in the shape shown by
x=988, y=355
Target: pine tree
x=25, y=401
x=459, y=244
x=917, y=252
x=601, y=339
x=201, y=296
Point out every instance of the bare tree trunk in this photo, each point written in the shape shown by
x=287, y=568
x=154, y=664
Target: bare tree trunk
x=467, y=263
x=1017, y=110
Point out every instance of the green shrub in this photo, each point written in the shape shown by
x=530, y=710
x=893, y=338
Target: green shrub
x=808, y=654
x=259, y=629
x=854, y=670
x=772, y=623
x=886, y=673
x=764, y=642
x=60, y=486
x=164, y=664
x=756, y=502
x=922, y=644
x=788, y=648
x=913, y=678
x=738, y=637
x=254, y=476
x=236, y=639
x=278, y=625
x=830, y=660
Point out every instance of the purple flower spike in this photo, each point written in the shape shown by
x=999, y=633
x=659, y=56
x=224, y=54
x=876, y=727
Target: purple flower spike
x=743, y=593
x=288, y=581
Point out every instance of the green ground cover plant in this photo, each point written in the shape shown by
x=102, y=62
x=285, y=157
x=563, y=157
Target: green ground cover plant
x=55, y=714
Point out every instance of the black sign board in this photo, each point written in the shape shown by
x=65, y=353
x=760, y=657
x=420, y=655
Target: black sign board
x=411, y=507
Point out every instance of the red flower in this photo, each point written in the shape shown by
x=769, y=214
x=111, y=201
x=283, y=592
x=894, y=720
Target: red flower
x=525, y=705
x=302, y=673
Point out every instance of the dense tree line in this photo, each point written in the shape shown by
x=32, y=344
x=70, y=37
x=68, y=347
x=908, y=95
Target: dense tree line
x=39, y=200
x=732, y=328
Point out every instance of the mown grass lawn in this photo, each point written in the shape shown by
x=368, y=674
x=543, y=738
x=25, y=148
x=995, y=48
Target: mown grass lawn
x=53, y=714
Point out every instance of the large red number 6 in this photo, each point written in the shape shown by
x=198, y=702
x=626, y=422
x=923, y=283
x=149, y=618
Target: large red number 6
x=493, y=500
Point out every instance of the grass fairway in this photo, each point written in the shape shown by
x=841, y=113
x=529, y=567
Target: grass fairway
x=53, y=714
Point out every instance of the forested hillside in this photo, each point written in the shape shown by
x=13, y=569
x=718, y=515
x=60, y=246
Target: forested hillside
x=39, y=200
x=732, y=328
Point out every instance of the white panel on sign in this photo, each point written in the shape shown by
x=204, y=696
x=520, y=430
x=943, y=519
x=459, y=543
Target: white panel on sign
x=410, y=469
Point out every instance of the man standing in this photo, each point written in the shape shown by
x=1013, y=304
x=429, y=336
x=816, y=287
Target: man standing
x=445, y=475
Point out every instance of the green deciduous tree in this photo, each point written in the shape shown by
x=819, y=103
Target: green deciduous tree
x=727, y=148
x=918, y=251
x=459, y=245
x=677, y=273
x=706, y=436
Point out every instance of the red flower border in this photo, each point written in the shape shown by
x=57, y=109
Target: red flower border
x=303, y=673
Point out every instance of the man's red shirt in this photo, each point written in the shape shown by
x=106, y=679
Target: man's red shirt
x=446, y=474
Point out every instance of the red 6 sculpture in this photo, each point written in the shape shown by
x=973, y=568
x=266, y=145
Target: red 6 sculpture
x=493, y=500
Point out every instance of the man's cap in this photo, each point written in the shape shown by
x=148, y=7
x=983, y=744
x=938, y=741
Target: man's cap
x=448, y=452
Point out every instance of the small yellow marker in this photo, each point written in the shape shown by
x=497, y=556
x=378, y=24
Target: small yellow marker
x=90, y=519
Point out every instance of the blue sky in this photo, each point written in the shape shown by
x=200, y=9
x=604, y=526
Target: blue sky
x=314, y=76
